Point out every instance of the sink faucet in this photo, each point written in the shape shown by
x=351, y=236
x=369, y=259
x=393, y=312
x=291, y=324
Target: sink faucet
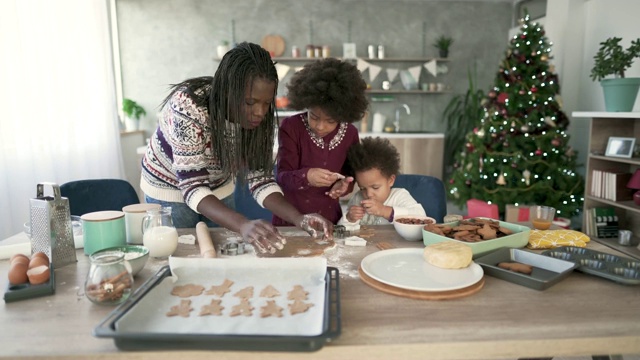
x=396, y=123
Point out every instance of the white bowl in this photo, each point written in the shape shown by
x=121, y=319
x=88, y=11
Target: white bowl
x=411, y=232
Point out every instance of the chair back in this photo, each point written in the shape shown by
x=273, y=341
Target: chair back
x=91, y=195
x=429, y=191
x=247, y=205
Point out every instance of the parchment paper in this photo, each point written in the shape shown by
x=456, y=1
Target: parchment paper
x=149, y=314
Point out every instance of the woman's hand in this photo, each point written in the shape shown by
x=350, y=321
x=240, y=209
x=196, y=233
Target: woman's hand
x=340, y=188
x=312, y=223
x=261, y=234
x=355, y=213
x=376, y=208
x=318, y=177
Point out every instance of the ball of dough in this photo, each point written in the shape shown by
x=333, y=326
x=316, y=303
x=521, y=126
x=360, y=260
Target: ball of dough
x=448, y=255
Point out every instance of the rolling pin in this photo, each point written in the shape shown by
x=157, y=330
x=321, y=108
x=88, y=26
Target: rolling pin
x=204, y=240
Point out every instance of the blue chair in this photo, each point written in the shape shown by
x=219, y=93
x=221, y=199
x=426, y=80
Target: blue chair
x=91, y=195
x=429, y=191
x=247, y=205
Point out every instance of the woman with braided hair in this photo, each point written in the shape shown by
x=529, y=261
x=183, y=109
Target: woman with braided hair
x=212, y=130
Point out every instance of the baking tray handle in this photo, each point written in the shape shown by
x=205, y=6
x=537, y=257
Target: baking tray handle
x=335, y=320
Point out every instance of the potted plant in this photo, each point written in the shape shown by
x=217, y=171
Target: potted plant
x=442, y=44
x=133, y=112
x=612, y=59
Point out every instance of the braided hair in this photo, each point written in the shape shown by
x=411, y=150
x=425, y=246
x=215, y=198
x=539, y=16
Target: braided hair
x=236, y=148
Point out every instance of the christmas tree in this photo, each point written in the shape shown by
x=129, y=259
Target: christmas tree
x=518, y=153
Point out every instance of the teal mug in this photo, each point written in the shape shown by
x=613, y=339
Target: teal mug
x=103, y=229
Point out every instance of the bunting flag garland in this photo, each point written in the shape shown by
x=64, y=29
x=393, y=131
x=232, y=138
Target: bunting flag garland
x=282, y=70
x=362, y=65
x=392, y=74
x=415, y=72
x=432, y=67
x=374, y=70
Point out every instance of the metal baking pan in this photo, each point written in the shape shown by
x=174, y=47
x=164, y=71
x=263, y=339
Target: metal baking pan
x=171, y=341
x=547, y=271
x=616, y=268
x=28, y=291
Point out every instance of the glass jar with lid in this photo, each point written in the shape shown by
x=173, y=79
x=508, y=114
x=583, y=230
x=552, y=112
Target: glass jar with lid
x=109, y=281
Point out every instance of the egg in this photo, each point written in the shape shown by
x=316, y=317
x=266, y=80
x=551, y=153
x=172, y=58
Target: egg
x=38, y=275
x=38, y=261
x=21, y=258
x=18, y=273
x=41, y=255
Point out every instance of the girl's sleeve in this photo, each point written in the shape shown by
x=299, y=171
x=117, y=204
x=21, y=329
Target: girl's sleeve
x=289, y=175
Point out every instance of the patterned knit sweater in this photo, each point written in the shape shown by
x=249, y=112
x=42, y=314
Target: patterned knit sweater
x=179, y=165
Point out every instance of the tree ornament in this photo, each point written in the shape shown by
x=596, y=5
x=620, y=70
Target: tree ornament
x=451, y=181
x=514, y=165
x=527, y=176
x=523, y=36
x=544, y=57
x=470, y=147
x=513, y=124
x=556, y=142
x=480, y=133
x=524, y=128
x=468, y=182
x=538, y=152
x=549, y=121
x=521, y=92
x=468, y=167
x=534, y=89
x=494, y=135
x=501, y=180
x=492, y=94
x=503, y=97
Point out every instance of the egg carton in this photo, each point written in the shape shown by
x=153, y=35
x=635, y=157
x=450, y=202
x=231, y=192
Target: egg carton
x=612, y=267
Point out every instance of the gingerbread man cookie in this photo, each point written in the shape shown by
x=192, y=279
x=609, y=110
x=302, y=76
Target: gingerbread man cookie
x=271, y=309
x=297, y=293
x=245, y=293
x=187, y=290
x=298, y=307
x=182, y=310
x=212, y=309
x=220, y=290
x=244, y=308
x=269, y=292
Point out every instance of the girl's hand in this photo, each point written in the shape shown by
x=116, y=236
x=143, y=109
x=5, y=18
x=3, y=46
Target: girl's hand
x=312, y=223
x=355, y=213
x=262, y=235
x=340, y=188
x=318, y=177
x=375, y=208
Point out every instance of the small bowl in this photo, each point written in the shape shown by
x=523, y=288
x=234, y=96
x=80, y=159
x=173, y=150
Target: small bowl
x=411, y=232
x=135, y=255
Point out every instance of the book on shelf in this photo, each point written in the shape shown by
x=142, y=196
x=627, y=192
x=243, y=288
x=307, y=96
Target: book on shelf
x=603, y=222
x=611, y=185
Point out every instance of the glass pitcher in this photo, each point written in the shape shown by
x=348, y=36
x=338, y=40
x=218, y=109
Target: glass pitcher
x=158, y=233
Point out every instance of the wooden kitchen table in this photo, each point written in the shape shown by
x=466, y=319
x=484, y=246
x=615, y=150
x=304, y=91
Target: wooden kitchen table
x=581, y=315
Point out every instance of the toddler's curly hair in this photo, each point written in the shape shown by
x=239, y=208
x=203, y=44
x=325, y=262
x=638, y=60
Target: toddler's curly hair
x=374, y=153
x=336, y=86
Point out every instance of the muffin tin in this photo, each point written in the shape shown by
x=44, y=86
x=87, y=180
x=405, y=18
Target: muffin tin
x=616, y=268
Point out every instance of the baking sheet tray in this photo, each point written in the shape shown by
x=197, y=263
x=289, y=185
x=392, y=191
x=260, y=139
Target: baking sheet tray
x=616, y=268
x=547, y=271
x=172, y=339
x=519, y=239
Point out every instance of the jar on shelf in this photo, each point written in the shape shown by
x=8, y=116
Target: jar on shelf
x=109, y=281
x=380, y=51
x=295, y=52
x=310, y=51
x=326, y=51
x=317, y=52
x=372, y=51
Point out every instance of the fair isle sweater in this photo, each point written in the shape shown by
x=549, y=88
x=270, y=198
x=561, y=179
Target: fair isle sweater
x=179, y=164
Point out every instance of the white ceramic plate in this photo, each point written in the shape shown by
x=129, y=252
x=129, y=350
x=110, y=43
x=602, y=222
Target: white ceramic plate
x=407, y=269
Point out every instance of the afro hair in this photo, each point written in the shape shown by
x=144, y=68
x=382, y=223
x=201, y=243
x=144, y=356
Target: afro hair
x=374, y=153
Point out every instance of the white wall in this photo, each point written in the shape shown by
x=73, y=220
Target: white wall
x=576, y=28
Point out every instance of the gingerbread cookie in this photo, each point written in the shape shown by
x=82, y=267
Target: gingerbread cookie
x=269, y=292
x=297, y=293
x=298, y=307
x=212, y=309
x=182, y=310
x=187, y=290
x=245, y=293
x=220, y=290
x=487, y=232
x=271, y=309
x=244, y=308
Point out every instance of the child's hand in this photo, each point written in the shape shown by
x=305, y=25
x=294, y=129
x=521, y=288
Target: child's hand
x=340, y=188
x=355, y=213
x=375, y=208
x=318, y=177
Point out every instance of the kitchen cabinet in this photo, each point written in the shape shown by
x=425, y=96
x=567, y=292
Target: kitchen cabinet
x=603, y=126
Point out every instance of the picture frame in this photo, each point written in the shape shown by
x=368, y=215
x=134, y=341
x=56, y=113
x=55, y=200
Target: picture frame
x=349, y=50
x=620, y=147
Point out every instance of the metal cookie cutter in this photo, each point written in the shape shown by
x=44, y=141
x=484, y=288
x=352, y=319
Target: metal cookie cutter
x=232, y=249
x=341, y=232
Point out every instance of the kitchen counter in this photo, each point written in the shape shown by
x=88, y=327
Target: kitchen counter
x=404, y=135
x=580, y=316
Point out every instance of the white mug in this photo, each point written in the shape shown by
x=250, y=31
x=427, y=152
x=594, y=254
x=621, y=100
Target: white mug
x=133, y=215
x=378, y=122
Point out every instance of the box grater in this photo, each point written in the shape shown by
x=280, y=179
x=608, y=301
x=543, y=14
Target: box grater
x=51, y=231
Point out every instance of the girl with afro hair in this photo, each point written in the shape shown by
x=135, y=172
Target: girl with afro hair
x=376, y=163
x=313, y=145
